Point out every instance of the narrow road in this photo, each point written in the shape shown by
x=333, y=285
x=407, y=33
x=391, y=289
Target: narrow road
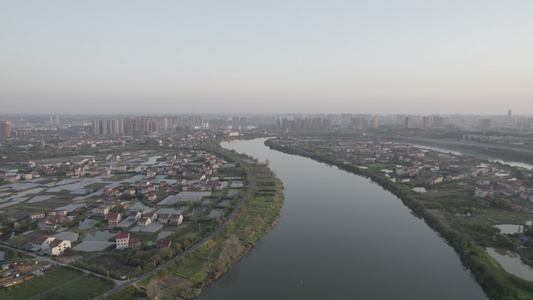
x=203, y=242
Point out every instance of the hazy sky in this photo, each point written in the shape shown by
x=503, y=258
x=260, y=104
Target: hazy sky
x=272, y=56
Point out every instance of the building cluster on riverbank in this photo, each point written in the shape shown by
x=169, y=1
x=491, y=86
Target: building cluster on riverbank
x=163, y=198
x=404, y=163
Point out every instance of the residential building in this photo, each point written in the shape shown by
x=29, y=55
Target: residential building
x=163, y=243
x=144, y=221
x=135, y=215
x=122, y=241
x=409, y=122
x=5, y=129
x=134, y=243
x=163, y=218
x=151, y=215
x=101, y=210
x=42, y=242
x=56, y=213
x=58, y=246
x=37, y=215
x=113, y=220
x=175, y=219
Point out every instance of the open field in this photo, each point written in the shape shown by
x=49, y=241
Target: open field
x=84, y=288
x=42, y=284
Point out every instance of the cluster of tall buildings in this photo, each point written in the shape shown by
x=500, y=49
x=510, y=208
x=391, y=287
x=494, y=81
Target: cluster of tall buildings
x=303, y=123
x=361, y=123
x=138, y=125
x=54, y=119
x=239, y=120
x=5, y=129
x=434, y=121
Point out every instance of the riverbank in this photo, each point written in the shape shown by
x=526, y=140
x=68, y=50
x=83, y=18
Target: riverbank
x=458, y=231
x=186, y=278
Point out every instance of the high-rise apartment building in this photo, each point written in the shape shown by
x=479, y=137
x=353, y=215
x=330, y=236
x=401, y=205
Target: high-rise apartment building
x=5, y=129
x=359, y=123
x=426, y=121
x=134, y=125
x=303, y=124
x=409, y=122
x=437, y=121
x=195, y=122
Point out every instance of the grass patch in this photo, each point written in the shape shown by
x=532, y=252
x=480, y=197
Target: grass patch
x=194, y=271
x=84, y=288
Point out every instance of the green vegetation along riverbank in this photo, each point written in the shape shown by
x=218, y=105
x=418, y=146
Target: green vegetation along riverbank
x=449, y=205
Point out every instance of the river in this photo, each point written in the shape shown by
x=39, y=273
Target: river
x=341, y=236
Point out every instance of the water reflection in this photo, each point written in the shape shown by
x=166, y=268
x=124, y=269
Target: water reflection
x=341, y=237
x=87, y=224
x=511, y=262
x=152, y=160
x=509, y=228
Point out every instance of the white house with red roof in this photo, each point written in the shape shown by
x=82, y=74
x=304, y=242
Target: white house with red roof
x=144, y=221
x=151, y=215
x=122, y=241
x=37, y=215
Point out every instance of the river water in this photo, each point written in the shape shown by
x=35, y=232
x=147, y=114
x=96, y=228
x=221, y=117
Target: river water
x=341, y=237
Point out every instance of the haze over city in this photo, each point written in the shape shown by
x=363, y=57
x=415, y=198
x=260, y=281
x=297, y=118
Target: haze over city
x=409, y=57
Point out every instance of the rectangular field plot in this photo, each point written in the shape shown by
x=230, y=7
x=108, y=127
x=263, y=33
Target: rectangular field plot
x=224, y=203
x=216, y=213
x=86, y=288
x=197, y=211
x=237, y=184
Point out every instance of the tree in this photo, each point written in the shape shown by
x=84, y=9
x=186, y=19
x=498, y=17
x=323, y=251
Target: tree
x=153, y=290
x=499, y=202
x=502, y=240
x=231, y=248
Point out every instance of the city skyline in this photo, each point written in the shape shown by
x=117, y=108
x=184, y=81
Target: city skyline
x=207, y=57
